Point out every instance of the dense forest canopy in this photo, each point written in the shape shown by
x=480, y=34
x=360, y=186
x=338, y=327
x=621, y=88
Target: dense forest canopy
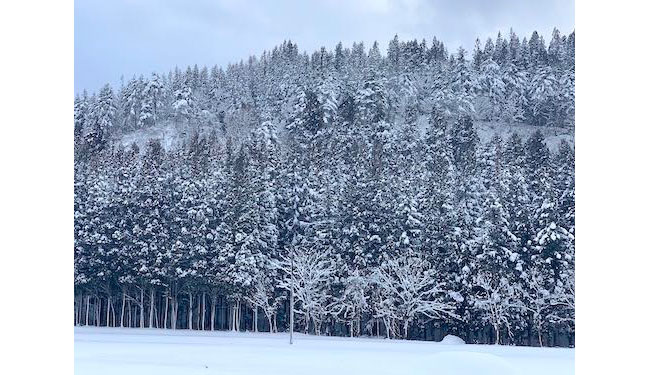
x=360, y=175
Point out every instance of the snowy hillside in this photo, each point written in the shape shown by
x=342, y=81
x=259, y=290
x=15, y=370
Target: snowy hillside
x=113, y=351
x=170, y=135
x=173, y=136
x=552, y=136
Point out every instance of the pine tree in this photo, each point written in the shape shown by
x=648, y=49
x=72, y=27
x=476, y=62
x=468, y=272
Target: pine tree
x=131, y=102
x=102, y=118
x=438, y=195
x=152, y=102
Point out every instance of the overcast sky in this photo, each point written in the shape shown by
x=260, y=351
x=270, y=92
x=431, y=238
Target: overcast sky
x=132, y=37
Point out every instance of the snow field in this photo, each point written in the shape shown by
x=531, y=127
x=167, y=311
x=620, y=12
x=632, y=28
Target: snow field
x=126, y=351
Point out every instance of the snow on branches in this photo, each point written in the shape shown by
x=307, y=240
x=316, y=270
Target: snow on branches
x=408, y=287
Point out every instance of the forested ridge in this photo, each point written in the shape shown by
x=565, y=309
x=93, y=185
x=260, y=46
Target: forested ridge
x=364, y=171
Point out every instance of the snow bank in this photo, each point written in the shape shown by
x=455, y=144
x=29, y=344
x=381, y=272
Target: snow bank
x=452, y=340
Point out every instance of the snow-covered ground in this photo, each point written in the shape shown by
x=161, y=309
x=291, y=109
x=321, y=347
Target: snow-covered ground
x=126, y=351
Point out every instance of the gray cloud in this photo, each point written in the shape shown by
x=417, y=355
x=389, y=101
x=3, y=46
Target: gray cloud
x=133, y=37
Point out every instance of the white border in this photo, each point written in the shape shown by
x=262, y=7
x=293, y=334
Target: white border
x=612, y=144
x=612, y=187
x=36, y=151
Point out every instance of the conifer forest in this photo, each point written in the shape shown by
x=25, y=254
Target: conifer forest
x=408, y=192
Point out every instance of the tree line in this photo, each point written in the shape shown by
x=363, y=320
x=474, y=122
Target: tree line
x=506, y=79
x=383, y=213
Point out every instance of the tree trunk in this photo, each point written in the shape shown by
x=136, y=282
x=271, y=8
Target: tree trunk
x=76, y=310
x=172, y=317
x=108, y=310
x=233, y=317
x=98, y=308
x=142, y=308
x=123, y=305
x=203, y=311
x=166, y=310
x=212, y=312
x=128, y=320
x=189, y=315
x=174, y=311
x=387, y=330
x=151, y=298
x=87, y=308
x=238, y=315
x=113, y=314
x=199, y=313
x=80, y=310
x=156, y=315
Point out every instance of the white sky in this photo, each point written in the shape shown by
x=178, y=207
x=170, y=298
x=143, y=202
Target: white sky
x=133, y=37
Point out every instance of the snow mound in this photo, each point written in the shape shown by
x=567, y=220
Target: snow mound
x=452, y=340
x=470, y=363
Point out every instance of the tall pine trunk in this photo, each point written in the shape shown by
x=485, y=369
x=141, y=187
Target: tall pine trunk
x=151, y=298
x=87, y=308
x=175, y=310
x=142, y=308
x=108, y=310
x=113, y=314
x=212, y=312
x=76, y=310
x=128, y=320
x=189, y=315
x=98, y=307
x=233, y=317
x=166, y=310
x=123, y=305
x=203, y=311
